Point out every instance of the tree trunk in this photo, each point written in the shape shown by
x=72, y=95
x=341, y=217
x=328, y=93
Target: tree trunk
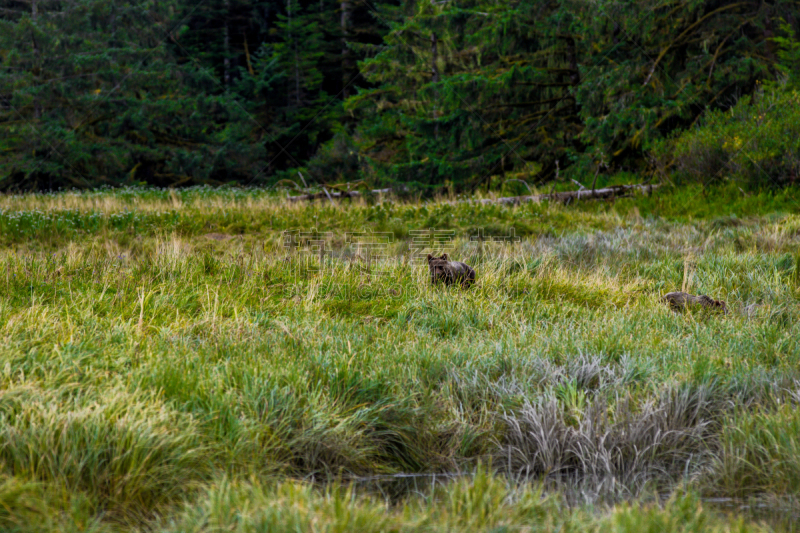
x=346, y=61
x=296, y=65
x=247, y=54
x=575, y=75
x=769, y=33
x=435, y=79
x=226, y=61
x=37, y=109
x=293, y=40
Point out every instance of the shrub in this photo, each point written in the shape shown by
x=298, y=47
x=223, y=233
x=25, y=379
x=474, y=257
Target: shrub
x=755, y=142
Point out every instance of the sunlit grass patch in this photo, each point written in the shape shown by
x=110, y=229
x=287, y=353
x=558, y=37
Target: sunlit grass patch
x=761, y=454
x=129, y=453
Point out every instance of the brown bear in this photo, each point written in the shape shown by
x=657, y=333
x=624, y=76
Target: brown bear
x=442, y=269
x=681, y=300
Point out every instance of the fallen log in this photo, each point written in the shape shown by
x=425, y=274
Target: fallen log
x=616, y=191
x=567, y=196
x=331, y=195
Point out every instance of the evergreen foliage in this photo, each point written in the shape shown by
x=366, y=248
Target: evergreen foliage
x=756, y=142
x=468, y=93
x=91, y=96
x=533, y=86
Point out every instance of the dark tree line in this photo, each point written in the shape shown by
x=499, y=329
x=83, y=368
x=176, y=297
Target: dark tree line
x=421, y=92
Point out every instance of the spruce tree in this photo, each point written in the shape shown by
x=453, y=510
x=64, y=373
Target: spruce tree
x=93, y=97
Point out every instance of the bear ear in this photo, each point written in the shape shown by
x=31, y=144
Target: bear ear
x=429, y=258
x=444, y=256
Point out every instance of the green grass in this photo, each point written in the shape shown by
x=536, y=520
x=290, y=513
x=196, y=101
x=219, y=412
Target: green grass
x=154, y=377
x=483, y=503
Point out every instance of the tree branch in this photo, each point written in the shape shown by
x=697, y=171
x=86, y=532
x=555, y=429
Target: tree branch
x=684, y=33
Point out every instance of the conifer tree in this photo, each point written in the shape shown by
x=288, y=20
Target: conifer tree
x=530, y=87
x=95, y=98
x=467, y=92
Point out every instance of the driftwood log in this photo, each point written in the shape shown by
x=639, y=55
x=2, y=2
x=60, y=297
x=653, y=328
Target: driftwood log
x=564, y=197
x=331, y=195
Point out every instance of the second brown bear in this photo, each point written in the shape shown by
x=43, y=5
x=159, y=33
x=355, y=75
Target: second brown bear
x=678, y=301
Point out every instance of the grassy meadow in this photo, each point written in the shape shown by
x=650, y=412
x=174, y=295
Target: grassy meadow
x=224, y=360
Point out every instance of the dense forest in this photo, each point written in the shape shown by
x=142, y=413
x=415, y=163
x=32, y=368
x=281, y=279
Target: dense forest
x=462, y=93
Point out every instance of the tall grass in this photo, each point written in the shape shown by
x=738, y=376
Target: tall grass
x=130, y=453
x=761, y=453
x=587, y=446
x=153, y=375
x=483, y=503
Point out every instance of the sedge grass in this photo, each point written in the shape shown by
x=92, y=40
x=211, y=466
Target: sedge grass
x=146, y=366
